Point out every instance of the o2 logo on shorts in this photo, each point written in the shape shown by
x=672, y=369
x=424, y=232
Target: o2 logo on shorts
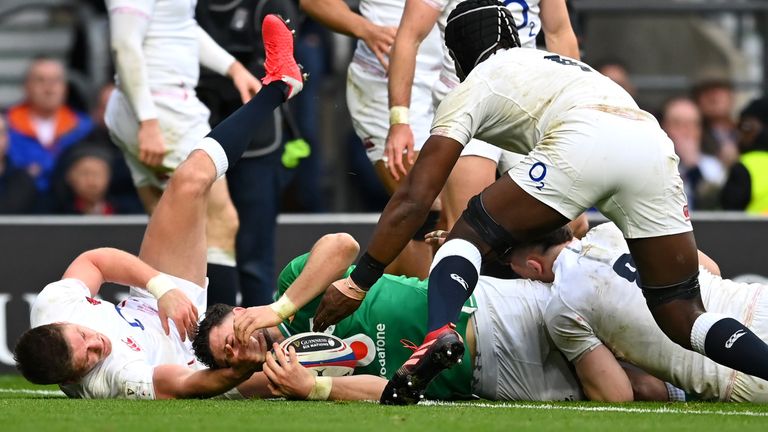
x=537, y=173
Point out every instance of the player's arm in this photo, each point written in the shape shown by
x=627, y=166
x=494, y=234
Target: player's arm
x=217, y=59
x=288, y=378
x=328, y=260
x=556, y=25
x=179, y=382
x=337, y=16
x=97, y=266
x=602, y=377
x=418, y=19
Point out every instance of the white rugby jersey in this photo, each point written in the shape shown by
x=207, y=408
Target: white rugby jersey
x=132, y=326
x=171, y=48
x=517, y=359
x=596, y=300
x=525, y=13
x=513, y=99
x=387, y=13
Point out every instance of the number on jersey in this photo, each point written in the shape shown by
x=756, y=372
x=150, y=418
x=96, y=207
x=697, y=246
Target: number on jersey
x=568, y=62
x=625, y=267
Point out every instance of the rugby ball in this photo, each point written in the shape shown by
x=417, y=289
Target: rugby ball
x=321, y=353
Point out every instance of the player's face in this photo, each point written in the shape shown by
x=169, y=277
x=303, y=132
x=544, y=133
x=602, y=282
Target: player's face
x=224, y=334
x=88, y=347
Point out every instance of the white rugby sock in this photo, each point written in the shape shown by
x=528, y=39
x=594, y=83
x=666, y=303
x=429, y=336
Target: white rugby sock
x=215, y=151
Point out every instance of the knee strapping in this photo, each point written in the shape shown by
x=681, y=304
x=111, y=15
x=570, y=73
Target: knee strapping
x=495, y=235
x=687, y=289
x=429, y=225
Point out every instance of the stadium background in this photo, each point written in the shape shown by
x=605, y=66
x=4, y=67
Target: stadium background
x=667, y=45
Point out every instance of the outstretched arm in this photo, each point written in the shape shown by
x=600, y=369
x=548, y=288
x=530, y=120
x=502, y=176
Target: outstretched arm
x=558, y=32
x=328, y=260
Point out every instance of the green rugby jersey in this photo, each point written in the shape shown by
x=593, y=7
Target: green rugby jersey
x=393, y=317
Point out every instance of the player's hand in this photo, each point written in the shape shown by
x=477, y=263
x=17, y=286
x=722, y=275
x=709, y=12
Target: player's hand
x=287, y=377
x=399, y=147
x=334, y=306
x=379, y=39
x=151, y=143
x=247, y=358
x=176, y=306
x=252, y=319
x=247, y=84
x=436, y=238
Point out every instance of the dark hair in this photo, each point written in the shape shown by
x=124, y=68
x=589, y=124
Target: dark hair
x=43, y=356
x=543, y=243
x=476, y=29
x=202, y=343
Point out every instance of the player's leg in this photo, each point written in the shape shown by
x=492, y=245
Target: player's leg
x=174, y=241
x=221, y=229
x=149, y=196
x=470, y=175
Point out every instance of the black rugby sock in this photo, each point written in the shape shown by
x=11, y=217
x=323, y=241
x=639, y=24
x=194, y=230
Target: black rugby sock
x=731, y=344
x=451, y=282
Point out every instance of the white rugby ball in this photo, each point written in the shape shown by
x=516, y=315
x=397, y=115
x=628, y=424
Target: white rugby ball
x=321, y=353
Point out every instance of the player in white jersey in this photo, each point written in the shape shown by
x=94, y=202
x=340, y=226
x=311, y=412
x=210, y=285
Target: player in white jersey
x=476, y=169
x=96, y=349
x=588, y=144
x=367, y=94
x=155, y=117
x=596, y=304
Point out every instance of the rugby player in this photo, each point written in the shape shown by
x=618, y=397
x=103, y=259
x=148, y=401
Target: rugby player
x=587, y=144
x=96, y=349
x=596, y=315
x=375, y=27
x=154, y=115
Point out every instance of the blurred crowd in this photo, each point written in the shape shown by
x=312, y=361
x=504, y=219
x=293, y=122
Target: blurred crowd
x=57, y=159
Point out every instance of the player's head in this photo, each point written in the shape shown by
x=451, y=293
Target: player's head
x=476, y=29
x=534, y=259
x=60, y=352
x=753, y=126
x=216, y=335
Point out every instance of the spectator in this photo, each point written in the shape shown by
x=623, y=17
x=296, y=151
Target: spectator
x=715, y=99
x=42, y=127
x=747, y=184
x=87, y=174
x=703, y=174
x=17, y=189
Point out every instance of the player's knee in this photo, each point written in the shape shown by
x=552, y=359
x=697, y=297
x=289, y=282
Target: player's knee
x=190, y=182
x=658, y=296
x=494, y=235
x=343, y=242
x=226, y=220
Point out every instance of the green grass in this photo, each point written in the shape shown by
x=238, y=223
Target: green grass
x=43, y=411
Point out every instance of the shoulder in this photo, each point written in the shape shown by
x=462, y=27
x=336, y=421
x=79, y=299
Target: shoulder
x=58, y=301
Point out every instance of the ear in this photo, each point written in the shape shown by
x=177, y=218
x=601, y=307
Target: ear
x=534, y=263
x=238, y=309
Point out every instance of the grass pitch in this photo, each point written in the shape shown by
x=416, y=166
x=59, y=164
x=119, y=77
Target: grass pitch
x=25, y=407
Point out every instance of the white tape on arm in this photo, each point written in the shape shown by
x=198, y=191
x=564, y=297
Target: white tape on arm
x=159, y=285
x=322, y=388
x=284, y=307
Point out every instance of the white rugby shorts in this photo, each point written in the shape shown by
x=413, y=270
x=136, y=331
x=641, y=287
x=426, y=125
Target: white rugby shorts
x=618, y=160
x=183, y=122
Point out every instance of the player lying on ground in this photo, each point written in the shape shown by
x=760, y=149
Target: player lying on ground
x=509, y=356
x=94, y=349
x=596, y=314
x=587, y=144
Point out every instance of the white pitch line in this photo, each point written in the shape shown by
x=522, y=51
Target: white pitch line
x=662, y=410
x=34, y=392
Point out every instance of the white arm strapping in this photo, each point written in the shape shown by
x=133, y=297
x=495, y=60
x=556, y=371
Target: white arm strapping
x=127, y=30
x=212, y=55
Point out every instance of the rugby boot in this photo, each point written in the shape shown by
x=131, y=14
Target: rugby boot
x=442, y=348
x=280, y=64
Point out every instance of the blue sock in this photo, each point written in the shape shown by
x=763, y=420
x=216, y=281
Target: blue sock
x=235, y=132
x=731, y=344
x=452, y=280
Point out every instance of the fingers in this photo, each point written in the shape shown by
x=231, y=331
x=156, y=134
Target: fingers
x=164, y=322
x=381, y=56
x=229, y=353
x=245, y=94
x=410, y=153
x=398, y=165
x=292, y=356
x=390, y=32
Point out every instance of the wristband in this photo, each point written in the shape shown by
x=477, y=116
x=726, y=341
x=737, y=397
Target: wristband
x=284, y=307
x=159, y=285
x=398, y=115
x=367, y=272
x=322, y=388
x=349, y=288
